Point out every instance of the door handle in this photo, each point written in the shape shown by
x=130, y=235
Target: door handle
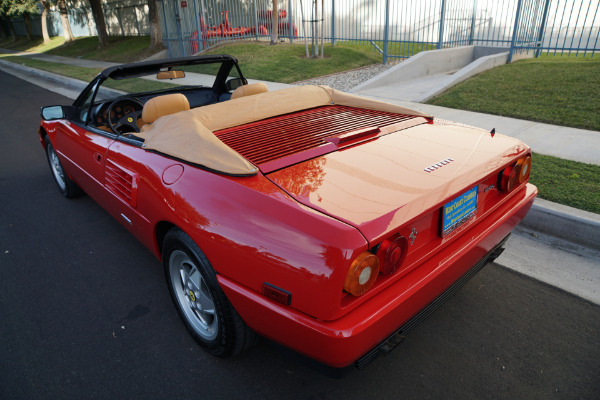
x=99, y=158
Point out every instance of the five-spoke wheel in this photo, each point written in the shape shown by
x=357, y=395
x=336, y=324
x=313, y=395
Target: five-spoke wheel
x=200, y=301
x=193, y=295
x=67, y=187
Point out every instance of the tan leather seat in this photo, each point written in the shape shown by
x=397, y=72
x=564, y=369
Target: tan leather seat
x=249, y=90
x=163, y=105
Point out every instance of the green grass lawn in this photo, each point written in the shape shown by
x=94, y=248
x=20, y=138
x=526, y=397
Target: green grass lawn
x=567, y=182
x=36, y=45
x=122, y=49
x=559, y=90
x=287, y=63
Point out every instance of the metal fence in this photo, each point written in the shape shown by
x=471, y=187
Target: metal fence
x=396, y=29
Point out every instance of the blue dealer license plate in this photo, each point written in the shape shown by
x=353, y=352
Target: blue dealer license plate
x=459, y=210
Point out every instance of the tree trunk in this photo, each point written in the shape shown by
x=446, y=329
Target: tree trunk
x=64, y=19
x=275, y=23
x=3, y=34
x=28, y=29
x=98, y=14
x=11, y=29
x=45, y=22
x=155, y=31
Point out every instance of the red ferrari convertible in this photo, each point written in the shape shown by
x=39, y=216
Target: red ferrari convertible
x=326, y=222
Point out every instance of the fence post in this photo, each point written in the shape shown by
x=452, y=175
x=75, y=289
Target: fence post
x=442, y=17
x=333, y=22
x=255, y=19
x=514, y=35
x=120, y=21
x=290, y=19
x=162, y=3
x=386, y=31
x=106, y=22
x=137, y=24
x=205, y=42
x=472, y=35
x=198, y=32
x=542, y=28
x=178, y=26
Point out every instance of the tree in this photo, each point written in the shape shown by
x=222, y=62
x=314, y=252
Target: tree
x=275, y=22
x=45, y=34
x=155, y=32
x=5, y=15
x=23, y=8
x=98, y=14
x=64, y=20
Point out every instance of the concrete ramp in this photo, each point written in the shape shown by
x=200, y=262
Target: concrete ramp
x=432, y=72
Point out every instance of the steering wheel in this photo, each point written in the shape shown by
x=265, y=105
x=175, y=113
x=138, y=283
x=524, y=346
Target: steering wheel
x=122, y=115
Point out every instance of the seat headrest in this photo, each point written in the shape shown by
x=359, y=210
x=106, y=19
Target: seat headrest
x=163, y=105
x=249, y=90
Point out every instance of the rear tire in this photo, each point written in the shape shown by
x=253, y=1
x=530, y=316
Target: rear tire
x=66, y=186
x=207, y=314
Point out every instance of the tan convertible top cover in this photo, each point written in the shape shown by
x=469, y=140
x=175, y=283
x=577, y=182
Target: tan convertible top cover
x=188, y=135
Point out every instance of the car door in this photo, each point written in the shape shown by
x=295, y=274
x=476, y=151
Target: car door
x=83, y=152
x=82, y=147
x=131, y=186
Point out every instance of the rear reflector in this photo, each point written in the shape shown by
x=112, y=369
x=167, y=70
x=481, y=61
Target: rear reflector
x=277, y=294
x=392, y=254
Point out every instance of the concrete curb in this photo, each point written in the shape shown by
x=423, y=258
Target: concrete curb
x=568, y=223
x=61, y=80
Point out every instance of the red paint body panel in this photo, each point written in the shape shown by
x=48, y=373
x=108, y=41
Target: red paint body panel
x=340, y=342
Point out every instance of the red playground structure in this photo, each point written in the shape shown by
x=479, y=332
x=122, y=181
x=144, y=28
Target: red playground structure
x=226, y=30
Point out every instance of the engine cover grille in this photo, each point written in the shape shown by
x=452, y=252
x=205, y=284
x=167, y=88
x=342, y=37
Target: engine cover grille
x=275, y=138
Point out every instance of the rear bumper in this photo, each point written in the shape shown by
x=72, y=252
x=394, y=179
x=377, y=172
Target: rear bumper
x=377, y=324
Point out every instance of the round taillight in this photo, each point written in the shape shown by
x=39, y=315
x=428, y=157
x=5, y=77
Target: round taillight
x=362, y=274
x=525, y=169
x=392, y=254
x=513, y=176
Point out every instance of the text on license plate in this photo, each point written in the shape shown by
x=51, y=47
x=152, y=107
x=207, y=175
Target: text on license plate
x=459, y=210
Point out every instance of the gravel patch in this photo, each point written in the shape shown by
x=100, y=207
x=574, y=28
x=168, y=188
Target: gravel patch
x=345, y=81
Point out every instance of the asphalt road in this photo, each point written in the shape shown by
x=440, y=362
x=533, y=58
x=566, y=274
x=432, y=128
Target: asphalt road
x=85, y=313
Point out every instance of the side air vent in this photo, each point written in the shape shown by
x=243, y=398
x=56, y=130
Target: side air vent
x=121, y=182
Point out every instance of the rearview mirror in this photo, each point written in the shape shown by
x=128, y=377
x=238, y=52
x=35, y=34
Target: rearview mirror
x=173, y=74
x=233, y=84
x=52, y=112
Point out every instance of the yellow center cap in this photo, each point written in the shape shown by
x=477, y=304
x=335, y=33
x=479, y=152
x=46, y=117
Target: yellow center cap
x=129, y=119
x=192, y=295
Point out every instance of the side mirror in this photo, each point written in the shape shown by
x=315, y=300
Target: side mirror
x=233, y=84
x=52, y=112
